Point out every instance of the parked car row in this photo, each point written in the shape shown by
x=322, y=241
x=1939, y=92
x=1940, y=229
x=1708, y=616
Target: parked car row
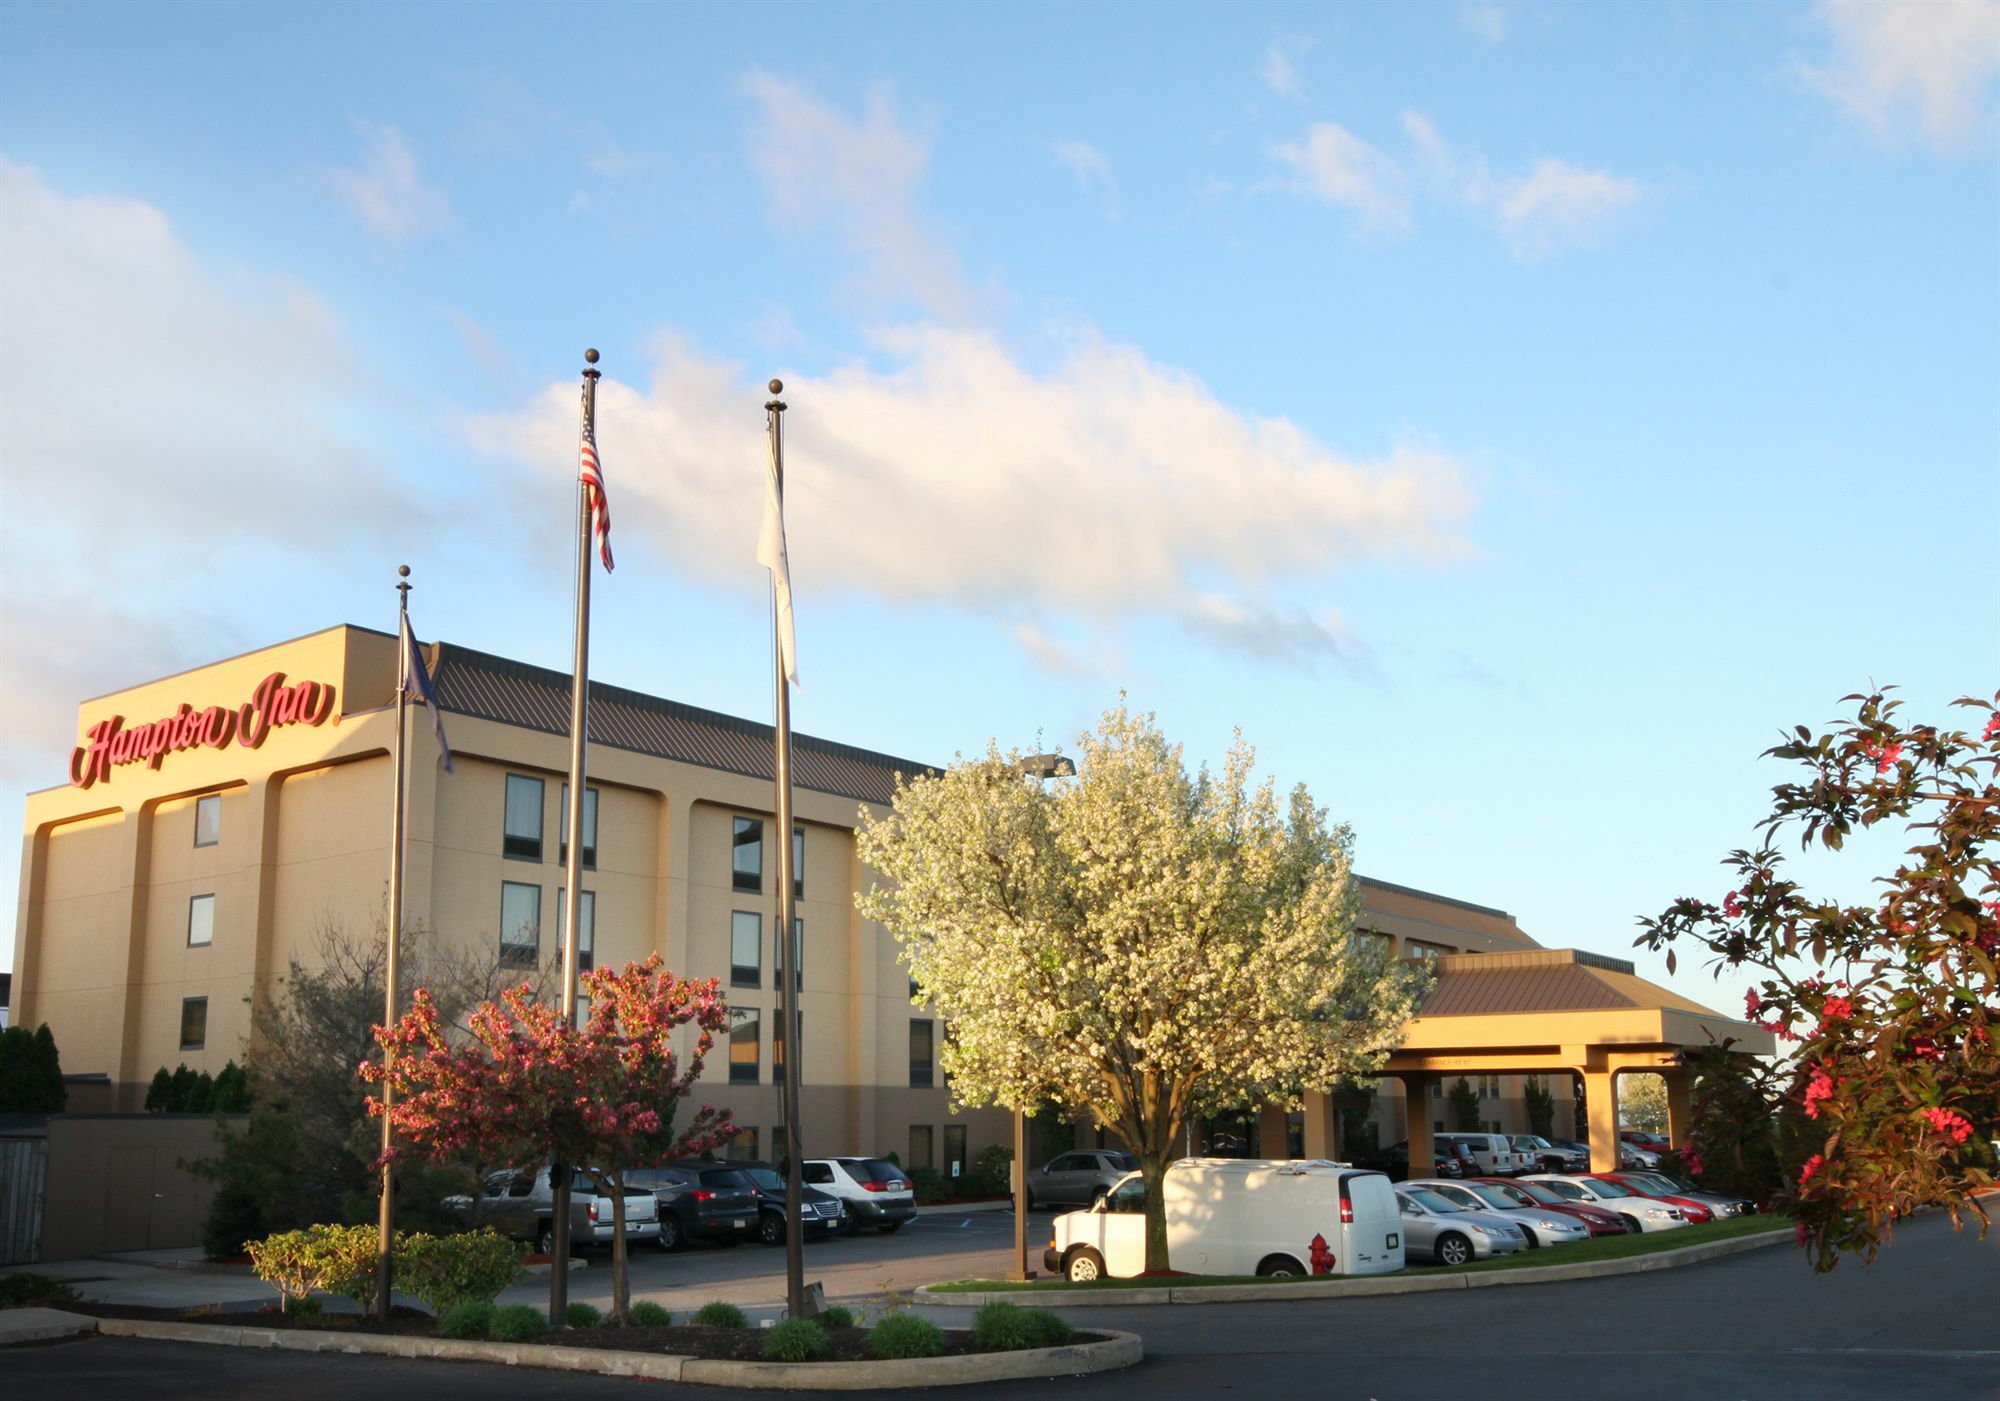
x=677, y=1204
x=1244, y=1216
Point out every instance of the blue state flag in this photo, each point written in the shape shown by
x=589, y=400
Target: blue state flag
x=416, y=681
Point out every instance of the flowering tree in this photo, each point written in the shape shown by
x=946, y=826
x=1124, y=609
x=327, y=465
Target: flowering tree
x=529, y=1087
x=1890, y=1003
x=1138, y=943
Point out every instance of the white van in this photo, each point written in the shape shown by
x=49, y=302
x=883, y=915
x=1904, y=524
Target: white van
x=1239, y=1216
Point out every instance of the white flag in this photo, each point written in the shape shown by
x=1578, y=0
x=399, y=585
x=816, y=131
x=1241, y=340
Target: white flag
x=771, y=554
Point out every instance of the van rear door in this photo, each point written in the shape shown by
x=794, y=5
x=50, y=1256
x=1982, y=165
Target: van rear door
x=1372, y=1223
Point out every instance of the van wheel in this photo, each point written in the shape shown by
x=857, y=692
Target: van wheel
x=771, y=1229
x=545, y=1238
x=1280, y=1267
x=1083, y=1266
x=1453, y=1249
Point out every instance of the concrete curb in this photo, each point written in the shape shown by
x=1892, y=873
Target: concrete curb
x=964, y=1208
x=40, y=1325
x=1118, y=1350
x=1357, y=1288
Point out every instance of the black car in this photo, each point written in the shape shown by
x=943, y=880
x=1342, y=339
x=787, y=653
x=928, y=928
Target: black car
x=820, y=1211
x=700, y=1201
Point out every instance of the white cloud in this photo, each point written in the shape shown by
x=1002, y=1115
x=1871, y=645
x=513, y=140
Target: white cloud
x=1336, y=167
x=1557, y=205
x=1083, y=160
x=1927, y=71
x=1287, y=638
x=1103, y=487
x=861, y=177
x=387, y=191
x=1484, y=21
x=1050, y=653
x=1281, y=70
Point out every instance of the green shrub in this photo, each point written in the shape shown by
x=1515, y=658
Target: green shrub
x=471, y=1319
x=20, y=1291
x=721, y=1315
x=338, y=1259
x=445, y=1271
x=517, y=1323
x=991, y=1172
x=796, y=1340
x=234, y=1217
x=839, y=1316
x=1046, y=1329
x=583, y=1315
x=1003, y=1327
x=905, y=1335
x=304, y=1308
x=930, y=1185
x=647, y=1314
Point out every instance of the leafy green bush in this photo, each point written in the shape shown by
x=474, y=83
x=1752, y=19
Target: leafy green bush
x=721, y=1315
x=930, y=1185
x=1003, y=1327
x=447, y=1270
x=839, y=1316
x=471, y=1319
x=234, y=1217
x=796, y=1340
x=20, y=1291
x=1046, y=1329
x=647, y=1314
x=304, y=1308
x=582, y=1315
x=991, y=1171
x=517, y=1323
x=905, y=1335
x=338, y=1259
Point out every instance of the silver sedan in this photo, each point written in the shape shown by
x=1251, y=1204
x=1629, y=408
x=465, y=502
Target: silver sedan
x=1539, y=1224
x=1435, y=1229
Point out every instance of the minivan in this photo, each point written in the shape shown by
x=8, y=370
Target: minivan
x=1492, y=1151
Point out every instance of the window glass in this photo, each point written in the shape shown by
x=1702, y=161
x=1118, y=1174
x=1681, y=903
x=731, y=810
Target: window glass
x=954, y=1149
x=1430, y=1200
x=743, y=1148
x=589, y=826
x=208, y=820
x=522, y=837
x=798, y=863
x=194, y=1023
x=922, y=1073
x=816, y=1172
x=874, y=1170
x=743, y=1045
x=798, y=953
x=1129, y=1196
x=520, y=924
x=746, y=858
x=586, y=925
x=201, y=921
x=745, y=948
x=778, y=1044
x=920, y=1146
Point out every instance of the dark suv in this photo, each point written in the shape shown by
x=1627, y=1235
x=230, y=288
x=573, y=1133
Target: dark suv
x=820, y=1212
x=713, y=1201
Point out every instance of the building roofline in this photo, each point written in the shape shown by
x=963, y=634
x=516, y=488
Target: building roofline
x=1432, y=895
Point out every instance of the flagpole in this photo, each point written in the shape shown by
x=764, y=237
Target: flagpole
x=385, y=1226
x=579, y=727
x=788, y=993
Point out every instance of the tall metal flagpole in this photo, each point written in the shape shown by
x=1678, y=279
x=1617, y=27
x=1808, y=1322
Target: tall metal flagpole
x=385, y=1224
x=579, y=691
x=788, y=1000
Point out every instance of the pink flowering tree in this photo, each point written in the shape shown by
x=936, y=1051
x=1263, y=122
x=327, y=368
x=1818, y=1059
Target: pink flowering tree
x=1889, y=1004
x=528, y=1087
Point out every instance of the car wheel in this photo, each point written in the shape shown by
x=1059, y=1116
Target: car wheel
x=672, y=1237
x=1635, y=1225
x=545, y=1238
x=1534, y=1241
x=889, y=1228
x=771, y=1228
x=1452, y=1249
x=1083, y=1266
x=1280, y=1267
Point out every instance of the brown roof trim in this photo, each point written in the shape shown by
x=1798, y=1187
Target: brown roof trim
x=1430, y=895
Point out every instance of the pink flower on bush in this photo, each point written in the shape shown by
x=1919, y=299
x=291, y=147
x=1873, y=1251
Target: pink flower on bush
x=1949, y=1123
x=1992, y=725
x=1752, y=1004
x=1732, y=906
x=1885, y=759
x=1801, y=1233
x=1835, y=1009
x=1810, y=1171
x=1819, y=1088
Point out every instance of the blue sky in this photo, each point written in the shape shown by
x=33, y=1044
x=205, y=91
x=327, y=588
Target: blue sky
x=1510, y=416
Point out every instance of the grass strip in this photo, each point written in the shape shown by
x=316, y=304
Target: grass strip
x=1600, y=1248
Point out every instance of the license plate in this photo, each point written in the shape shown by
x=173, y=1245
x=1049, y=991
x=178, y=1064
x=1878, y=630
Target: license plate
x=1393, y=1239
x=741, y=1224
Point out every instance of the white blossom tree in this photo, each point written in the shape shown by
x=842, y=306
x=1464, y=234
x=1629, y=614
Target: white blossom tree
x=1135, y=943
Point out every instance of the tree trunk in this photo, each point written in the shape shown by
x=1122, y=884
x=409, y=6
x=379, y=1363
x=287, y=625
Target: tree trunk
x=621, y=1283
x=1153, y=1169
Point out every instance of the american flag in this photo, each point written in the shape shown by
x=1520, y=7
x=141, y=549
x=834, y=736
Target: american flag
x=592, y=476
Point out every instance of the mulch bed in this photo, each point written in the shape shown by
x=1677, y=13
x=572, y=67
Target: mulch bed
x=715, y=1344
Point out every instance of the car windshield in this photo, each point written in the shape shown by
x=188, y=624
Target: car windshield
x=1652, y=1182
x=1503, y=1193
x=1568, y=1191
x=724, y=1177
x=875, y=1170
x=1123, y=1162
x=766, y=1179
x=1490, y=1195
x=1429, y=1200
x=1539, y=1193
x=1606, y=1188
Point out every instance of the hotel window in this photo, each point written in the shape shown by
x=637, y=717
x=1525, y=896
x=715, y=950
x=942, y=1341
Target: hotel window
x=746, y=854
x=208, y=820
x=194, y=1023
x=1416, y=948
x=798, y=863
x=920, y=1147
x=778, y=1044
x=746, y=945
x=523, y=835
x=742, y=1147
x=586, y=925
x=798, y=953
x=589, y=827
x=520, y=924
x=954, y=1150
x=201, y=921
x=743, y=1048
x=922, y=1061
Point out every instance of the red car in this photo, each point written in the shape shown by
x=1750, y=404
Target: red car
x=1601, y=1222
x=1696, y=1213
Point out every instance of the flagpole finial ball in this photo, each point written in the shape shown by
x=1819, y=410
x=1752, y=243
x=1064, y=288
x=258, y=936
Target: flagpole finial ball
x=590, y=357
x=402, y=571
x=777, y=386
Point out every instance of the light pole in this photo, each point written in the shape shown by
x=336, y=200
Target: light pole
x=1041, y=766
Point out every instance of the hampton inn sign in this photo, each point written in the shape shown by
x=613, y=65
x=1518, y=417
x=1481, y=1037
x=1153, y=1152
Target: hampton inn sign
x=271, y=704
